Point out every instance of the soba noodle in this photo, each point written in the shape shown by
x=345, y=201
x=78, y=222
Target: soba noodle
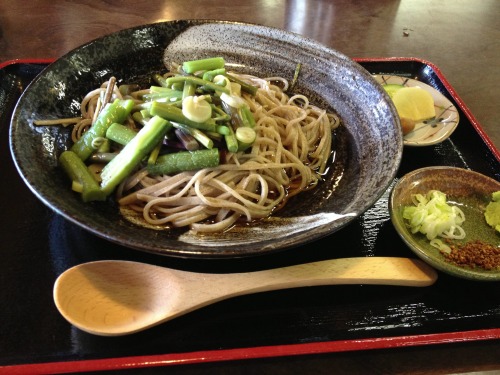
x=289, y=156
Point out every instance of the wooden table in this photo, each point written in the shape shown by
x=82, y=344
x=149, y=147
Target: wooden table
x=460, y=37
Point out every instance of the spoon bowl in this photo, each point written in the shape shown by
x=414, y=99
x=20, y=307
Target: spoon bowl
x=112, y=298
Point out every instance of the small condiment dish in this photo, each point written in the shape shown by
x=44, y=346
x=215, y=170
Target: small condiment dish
x=469, y=190
x=432, y=131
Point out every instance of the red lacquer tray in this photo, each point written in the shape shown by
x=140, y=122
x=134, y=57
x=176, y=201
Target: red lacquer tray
x=38, y=245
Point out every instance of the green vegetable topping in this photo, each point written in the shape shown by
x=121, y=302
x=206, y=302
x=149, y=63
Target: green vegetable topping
x=174, y=114
x=246, y=137
x=432, y=216
x=113, y=112
x=120, y=134
x=211, y=63
x=82, y=179
x=185, y=161
x=196, y=108
x=142, y=144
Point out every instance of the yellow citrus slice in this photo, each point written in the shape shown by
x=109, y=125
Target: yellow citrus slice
x=391, y=88
x=414, y=103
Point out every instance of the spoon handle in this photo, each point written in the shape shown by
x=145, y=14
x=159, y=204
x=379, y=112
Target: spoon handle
x=358, y=270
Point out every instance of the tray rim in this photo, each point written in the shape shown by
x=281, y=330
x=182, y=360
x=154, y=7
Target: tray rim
x=256, y=352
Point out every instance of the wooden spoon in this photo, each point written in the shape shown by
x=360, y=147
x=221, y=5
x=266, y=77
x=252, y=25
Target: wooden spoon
x=112, y=298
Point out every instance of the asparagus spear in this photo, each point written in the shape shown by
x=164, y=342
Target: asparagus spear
x=113, y=112
x=120, y=133
x=124, y=163
x=169, y=164
x=211, y=63
x=79, y=174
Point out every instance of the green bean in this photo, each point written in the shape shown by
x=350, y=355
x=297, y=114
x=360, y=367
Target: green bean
x=239, y=116
x=158, y=89
x=295, y=78
x=154, y=154
x=140, y=117
x=102, y=157
x=215, y=136
x=128, y=89
x=219, y=114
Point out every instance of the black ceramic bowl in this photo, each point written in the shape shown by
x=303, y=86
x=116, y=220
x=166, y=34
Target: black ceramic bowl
x=368, y=147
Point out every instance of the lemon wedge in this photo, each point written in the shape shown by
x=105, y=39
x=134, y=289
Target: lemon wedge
x=391, y=88
x=414, y=103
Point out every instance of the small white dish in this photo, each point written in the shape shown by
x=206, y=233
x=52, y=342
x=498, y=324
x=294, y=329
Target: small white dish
x=427, y=132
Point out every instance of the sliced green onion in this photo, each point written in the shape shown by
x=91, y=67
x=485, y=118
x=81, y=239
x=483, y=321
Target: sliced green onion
x=432, y=216
x=245, y=135
x=440, y=245
x=232, y=100
x=196, y=108
x=210, y=74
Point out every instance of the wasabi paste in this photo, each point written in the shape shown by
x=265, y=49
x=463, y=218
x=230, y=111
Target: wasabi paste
x=492, y=213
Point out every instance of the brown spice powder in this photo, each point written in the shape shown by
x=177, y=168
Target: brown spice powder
x=475, y=254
